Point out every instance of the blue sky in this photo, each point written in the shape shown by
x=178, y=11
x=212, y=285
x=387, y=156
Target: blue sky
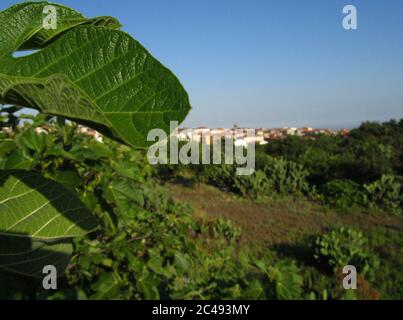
x=272, y=63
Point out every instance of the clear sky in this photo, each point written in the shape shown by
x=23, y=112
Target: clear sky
x=272, y=63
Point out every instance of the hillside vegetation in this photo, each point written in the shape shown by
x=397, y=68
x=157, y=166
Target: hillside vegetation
x=169, y=233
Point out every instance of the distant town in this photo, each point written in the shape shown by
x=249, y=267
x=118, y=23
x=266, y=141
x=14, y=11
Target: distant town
x=241, y=135
x=261, y=135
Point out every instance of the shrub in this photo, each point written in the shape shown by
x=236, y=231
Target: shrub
x=278, y=176
x=254, y=185
x=385, y=193
x=287, y=177
x=284, y=279
x=221, y=176
x=345, y=246
x=342, y=194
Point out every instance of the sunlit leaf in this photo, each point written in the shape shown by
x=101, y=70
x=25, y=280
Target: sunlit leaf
x=87, y=71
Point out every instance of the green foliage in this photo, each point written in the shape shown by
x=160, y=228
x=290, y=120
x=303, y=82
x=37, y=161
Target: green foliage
x=61, y=184
x=272, y=176
x=254, y=185
x=287, y=177
x=385, y=193
x=387, y=244
x=345, y=246
x=147, y=246
x=351, y=171
x=38, y=213
x=222, y=176
x=344, y=194
x=285, y=281
x=88, y=71
x=347, y=173
x=26, y=196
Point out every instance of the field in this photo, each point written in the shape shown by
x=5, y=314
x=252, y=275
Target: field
x=288, y=226
x=285, y=222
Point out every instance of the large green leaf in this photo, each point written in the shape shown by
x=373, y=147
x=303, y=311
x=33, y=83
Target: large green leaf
x=41, y=209
x=87, y=71
x=28, y=257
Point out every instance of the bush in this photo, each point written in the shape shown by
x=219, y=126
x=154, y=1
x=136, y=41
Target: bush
x=287, y=177
x=254, y=185
x=278, y=176
x=221, y=176
x=343, y=194
x=284, y=279
x=345, y=246
x=385, y=193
